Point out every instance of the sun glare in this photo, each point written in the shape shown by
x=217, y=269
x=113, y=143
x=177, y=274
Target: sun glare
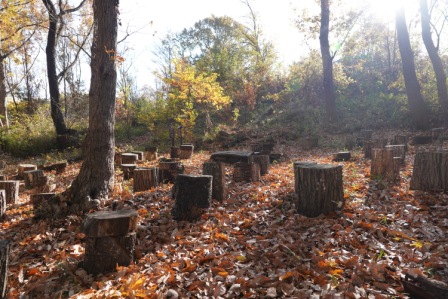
x=385, y=8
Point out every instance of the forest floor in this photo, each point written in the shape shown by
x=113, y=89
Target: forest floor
x=252, y=245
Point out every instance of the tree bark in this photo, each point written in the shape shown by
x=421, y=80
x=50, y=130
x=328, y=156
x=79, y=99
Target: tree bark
x=5, y=248
x=169, y=171
x=2, y=204
x=296, y=172
x=263, y=161
x=246, y=172
x=327, y=61
x=53, y=84
x=128, y=170
x=24, y=167
x=320, y=189
x=96, y=177
x=430, y=171
x=433, y=53
x=217, y=170
x=3, y=108
x=417, y=107
x=384, y=166
x=11, y=189
x=34, y=178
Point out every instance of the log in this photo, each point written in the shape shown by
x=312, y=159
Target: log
x=262, y=161
x=34, y=179
x=140, y=155
x=341, y=156
x=217, y=171
x=175, y=152
x=186, y=151
x=59, y=167
x=168, y=170
x=5, y=248
x=246, y=172
x=384, y=166
x=430, y=171
x=24, y=167
x=420, y=286
x=423, y=139
x=399, y=151
x=2, y=204
x=46, y=205
x=129, y=158
x=231, y=157
x=11, y=191
x=320, y=189
x=151, y=153
x=192, y=194
x=296, y=172
x=128, y=170
x=145, y=178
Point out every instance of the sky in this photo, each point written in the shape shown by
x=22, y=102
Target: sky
x=154, y=19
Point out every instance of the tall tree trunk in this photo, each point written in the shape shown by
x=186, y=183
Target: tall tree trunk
x=50, y=51
x=433, y=53
x=3, y=109
x=417, y=107
x=327, y=61
x=96, y=177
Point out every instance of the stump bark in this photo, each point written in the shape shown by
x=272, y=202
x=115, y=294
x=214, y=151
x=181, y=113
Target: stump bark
x=186, y=151
x=175, y=152
x=320, y=189
x=368, y=145
x=24, y=167
x=11, y=191
x=399, y=151
x=168, y=171
x=246, y=172
x=384, y=166
x=341, y=156
x=5, y=248
x=401, y=139
x=145, y=178
x=34, y=179
x=296, y=172
x=2, y=204
x=151, y=153
x=192, y=195
x=47, y=205
x=430, y=171
x=128, y=170
x=217, y=171
x=264, y=148
x=129, y=158
x=110, y=240
x=262, y=161
x=117, y=158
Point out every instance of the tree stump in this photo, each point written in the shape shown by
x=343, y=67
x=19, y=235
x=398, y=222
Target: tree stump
x=320, y=189
x=264, y=148
x=192, y=194
x=399, y=151
x=384, y=166
x=296, y=172
x=34, y=179
x=24, y=167
x=341, y=156
x=145, y=178
x=151, y=153
x=262, y=161
x=168, y=171
x=2, y=204
x=437, y=132
x=5, y=248
x=430, y=171
x=117, y=158
x=11, y=191
x=128, y=170
x=175, y=152
x=246, y=172
x=368, y=145
x=129, y=158
x=110, y=240
x=217, y=171
x=140, y=155
x=401, y=139
x=46, y=205
x=186, y=151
